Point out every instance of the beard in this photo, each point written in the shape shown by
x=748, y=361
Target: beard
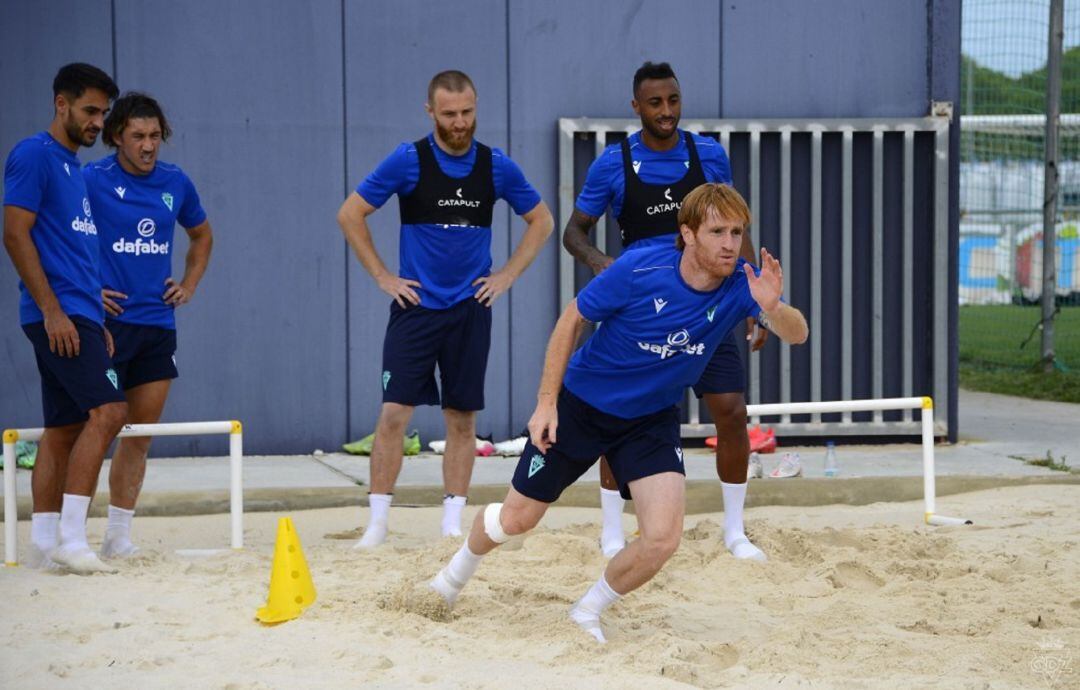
x=658, y=133
x=454, y=139
x=84, y=137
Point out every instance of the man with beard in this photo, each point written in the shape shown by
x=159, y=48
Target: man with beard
x=618, y=394
x=50, y=234
x=644, y=179
x=440, y=316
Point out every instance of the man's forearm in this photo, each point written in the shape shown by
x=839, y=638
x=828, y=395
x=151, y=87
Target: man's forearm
x=197, y=258
x=787, y=323
x=358, y=236
x=576, y=239
x=560, y=346
x=536, y=235
x=27, y=262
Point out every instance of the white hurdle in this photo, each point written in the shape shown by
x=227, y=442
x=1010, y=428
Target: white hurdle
x=236, y=455
x=926, y=404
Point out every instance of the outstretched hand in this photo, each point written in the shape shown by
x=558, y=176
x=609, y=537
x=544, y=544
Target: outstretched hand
x=767, y=287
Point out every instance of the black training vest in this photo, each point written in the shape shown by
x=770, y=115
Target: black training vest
x=439, y=199
x=649, y=210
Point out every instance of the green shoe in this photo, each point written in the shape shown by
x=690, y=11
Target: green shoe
x=410, y=445
x=361, y=447
x=25, y=454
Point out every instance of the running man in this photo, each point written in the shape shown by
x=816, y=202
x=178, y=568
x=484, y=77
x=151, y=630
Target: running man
x=137, y=201
x=447, y=184
x=644, y=179
x=51, y=236
x=618, y=395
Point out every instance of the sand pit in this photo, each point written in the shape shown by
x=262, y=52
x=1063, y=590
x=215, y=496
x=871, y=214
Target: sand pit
x=851, y=597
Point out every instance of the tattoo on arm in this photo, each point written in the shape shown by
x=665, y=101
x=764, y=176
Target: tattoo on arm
x=576, y=237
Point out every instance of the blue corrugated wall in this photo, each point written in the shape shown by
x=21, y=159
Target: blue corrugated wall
x=280, y=108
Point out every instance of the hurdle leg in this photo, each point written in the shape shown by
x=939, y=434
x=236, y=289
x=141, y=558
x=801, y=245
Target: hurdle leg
x=11, y=514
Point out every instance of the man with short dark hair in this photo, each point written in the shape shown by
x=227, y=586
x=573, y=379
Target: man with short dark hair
x=644, y=179
x=447, y=184
x=618, y=394
x=50, y=234
x=138, y=200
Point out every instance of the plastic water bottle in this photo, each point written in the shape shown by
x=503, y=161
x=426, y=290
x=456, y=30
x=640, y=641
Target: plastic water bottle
x=831, y=468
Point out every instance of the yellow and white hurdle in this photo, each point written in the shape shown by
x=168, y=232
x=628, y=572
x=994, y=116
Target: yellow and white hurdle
x=925, y=403
x=236, y=454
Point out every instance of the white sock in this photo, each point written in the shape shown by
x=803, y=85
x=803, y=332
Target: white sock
x=612, y=539
x=73, y=522
x=379, y=513
x=586, y=612
x=44, y=531
x=451, y=516
x=734, y=531
x=452, y=579
x=118, y=534
x=734, y=500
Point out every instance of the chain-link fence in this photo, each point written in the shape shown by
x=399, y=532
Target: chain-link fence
x=1004, y=82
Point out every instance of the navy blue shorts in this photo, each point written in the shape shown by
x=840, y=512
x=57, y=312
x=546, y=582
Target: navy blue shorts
x=724, y=373
x=635, y=448
x=72, y=386
x=456, y=340
x=143, y=353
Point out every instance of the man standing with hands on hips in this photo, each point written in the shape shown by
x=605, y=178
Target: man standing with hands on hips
x=447, y=184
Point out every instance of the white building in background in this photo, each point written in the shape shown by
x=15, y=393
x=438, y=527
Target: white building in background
x=1001, y=200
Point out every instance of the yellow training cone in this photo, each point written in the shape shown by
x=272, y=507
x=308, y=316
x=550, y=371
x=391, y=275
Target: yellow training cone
x=291, y=589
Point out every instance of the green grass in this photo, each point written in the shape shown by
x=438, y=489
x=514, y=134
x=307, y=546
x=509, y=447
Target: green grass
x=992, y=360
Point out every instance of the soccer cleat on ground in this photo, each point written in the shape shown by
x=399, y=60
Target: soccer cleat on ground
x=484, y=447
x=511, y=447
x=410, y=444
x=754, y=470
x=790, y=466
x=761, y=440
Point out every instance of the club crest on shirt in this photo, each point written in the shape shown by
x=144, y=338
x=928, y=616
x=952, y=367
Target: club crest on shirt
x=168, y=199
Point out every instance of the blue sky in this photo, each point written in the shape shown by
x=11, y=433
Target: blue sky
x=1010, y=35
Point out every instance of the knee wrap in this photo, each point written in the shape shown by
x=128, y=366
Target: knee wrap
x=492, y=527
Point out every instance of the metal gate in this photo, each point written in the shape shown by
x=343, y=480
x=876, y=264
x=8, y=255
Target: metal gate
x=857, y=212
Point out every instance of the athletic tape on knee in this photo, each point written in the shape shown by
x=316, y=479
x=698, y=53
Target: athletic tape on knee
x=492, y=527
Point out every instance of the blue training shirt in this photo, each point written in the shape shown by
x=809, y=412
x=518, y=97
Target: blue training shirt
x=445, y=260
x=605, y=183
x=136, y=216
x=42, y=176
x=656, y=333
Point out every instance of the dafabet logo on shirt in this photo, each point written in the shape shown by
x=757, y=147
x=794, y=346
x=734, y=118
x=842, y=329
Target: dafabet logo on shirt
x=677, y=342
x=85, y=225
x=146, y=228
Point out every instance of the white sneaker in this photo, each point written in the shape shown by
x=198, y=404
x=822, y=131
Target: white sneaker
x=484, y=447
x=790, y=466
x=754, y=470
x=511, y=447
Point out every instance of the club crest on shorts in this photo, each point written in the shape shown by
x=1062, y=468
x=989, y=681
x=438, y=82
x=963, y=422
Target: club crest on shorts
x=111, y=375
x=385, y=379
x=167, y=198
x=536, y=464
